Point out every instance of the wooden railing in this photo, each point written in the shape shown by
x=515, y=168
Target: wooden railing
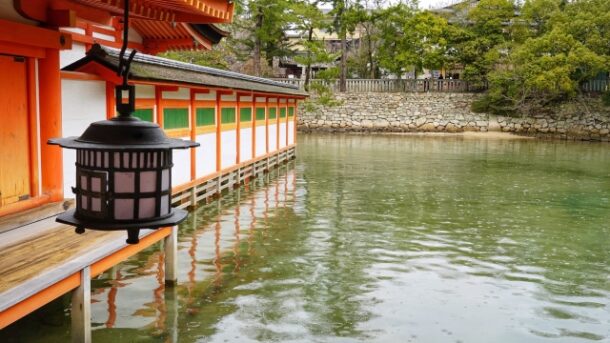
x=595, y=86
x=394, y=85
x=430, y=85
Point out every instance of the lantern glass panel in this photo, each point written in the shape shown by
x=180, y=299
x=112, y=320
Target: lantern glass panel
x=84, y=200
x=83, y=183
x=123, y=209
x=164, y=205
x=96, y=204
x=124, y=182
x=148, y=181
x=147, y=208
x=165, y=179
x=96, y=184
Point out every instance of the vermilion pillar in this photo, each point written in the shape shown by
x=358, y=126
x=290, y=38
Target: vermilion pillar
x=50, y=125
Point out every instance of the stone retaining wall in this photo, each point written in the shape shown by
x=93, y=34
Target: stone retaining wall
x=449, y=112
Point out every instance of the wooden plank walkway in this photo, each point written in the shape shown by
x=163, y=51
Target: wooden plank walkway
x=43, y=260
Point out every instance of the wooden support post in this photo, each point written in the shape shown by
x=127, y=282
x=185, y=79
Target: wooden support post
x=172, y=306
x=238, y=130
x=253, y=111
x=170, y=243
x=159, y=105
x=294, y=120
x=81, y=309
x=193, y=134
x=50, y=125
x=277, y=124
x=218, y=133
x=266, y=125
x=287, y=121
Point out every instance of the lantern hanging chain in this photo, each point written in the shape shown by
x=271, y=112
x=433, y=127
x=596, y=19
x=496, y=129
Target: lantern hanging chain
x=125, y=65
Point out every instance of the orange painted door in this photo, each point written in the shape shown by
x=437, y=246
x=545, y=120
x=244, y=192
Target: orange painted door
x=14, y=132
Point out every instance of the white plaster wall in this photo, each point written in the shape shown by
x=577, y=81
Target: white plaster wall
x=181, y=94
x=245, y=144
x=181, y=172
x=69, y=56
x=260, y=141
x=206, y=96
x=272, y=137
x=103, y=36
x=83, y=102
x=291, y=132
x=206, y=154
x=228, y=97
x=229, y=148
x=283, y=133
x=145, y=92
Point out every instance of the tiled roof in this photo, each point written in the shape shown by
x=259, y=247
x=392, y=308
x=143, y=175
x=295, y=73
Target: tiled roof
x=153, y=68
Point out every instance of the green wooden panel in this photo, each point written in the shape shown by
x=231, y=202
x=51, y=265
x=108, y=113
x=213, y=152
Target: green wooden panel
x=176, y=118
x=145, y=114
x=272, y=113
x=227, y=115
x=245, y=114
x=283, y=112
x=260, y=113
x=291, y=111
x=206, y=116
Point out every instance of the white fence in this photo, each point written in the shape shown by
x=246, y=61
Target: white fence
x=430, y=85
x=395, y=85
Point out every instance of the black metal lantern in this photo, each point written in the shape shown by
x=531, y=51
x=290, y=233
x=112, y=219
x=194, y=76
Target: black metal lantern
x=123, y=177
x=123, y=169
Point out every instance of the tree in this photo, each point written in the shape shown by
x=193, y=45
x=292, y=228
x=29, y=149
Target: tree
x=259, y=31
x=486, y=36
x=219, y=57
x=546, y=70
x=345, y=19
x=413, y=40
x=567, y=45
x=308, y=17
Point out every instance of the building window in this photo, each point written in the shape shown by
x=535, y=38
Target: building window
x=283, y=112
x=175, y=118
x=206, y=116
x=227, y=115
x=272, y=113
x=291, y=111
x=245, y=114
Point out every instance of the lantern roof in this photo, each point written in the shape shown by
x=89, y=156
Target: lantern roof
x=122, y=134
x=152, y=68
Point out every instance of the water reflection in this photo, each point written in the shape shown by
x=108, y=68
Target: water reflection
x=383, y=239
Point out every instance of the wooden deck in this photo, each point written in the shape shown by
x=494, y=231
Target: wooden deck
x=42, y=260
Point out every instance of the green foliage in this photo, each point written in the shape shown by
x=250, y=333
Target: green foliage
x=480, y=105
x=549, y=66
x=215, y=58
x=606, y=98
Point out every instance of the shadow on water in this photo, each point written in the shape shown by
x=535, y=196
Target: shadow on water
x=382, y=238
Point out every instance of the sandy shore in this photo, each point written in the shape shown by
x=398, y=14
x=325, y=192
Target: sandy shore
x=468, y=134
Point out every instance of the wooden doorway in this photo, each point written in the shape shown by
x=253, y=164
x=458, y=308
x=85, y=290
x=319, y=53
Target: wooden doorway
x=14, y=130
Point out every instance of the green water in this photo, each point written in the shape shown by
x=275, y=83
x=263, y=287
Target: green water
x=379, y=239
